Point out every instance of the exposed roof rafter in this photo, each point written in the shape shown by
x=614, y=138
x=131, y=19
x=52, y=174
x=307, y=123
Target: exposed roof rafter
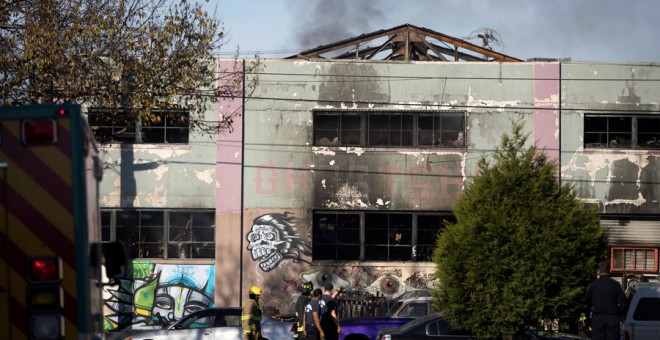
x=406, y=43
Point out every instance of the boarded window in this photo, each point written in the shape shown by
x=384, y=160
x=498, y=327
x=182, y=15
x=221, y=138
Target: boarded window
x=635, y=260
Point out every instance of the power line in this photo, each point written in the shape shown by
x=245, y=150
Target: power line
x=448, y=106
x=439, y=77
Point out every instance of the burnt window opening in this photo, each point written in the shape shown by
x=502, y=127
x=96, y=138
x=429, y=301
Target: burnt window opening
x=376, y=236
x=166, y=234
x=621, y=132
x=170, y=127
x=423, y=129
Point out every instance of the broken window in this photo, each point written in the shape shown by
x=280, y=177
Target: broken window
x=336, y=236
x=388, y=236
x=648, y=132
x=161, y=233
x=170, y=127
x=621, y=132
x=427, y=129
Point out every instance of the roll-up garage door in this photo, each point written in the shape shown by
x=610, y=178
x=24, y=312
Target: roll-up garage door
x=624, y=232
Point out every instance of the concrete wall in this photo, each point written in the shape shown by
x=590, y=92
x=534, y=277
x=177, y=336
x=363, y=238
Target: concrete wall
x=616, y=181
x=268, y=167
x=285, y=177
x=160, y=175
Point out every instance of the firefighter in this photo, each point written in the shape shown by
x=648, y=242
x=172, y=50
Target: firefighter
x=251, y=315
x=303, y=299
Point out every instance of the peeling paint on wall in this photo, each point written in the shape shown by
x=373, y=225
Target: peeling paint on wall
x=159, y=172
x=156, y=198
x=348, y=197
x=206, y=176
x=615, y=180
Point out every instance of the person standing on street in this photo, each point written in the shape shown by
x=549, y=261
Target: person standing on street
x=302, y=301
x=251, y=315
x=312, y=318
x=329, y=319
x=606, y=302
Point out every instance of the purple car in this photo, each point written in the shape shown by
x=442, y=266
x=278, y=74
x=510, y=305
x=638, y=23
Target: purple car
x=403, y=311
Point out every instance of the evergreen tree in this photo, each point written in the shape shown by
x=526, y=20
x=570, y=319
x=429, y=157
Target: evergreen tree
x=523, y=249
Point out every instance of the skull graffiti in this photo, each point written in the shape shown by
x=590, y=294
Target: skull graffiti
x=274, y=237
x=266, y=245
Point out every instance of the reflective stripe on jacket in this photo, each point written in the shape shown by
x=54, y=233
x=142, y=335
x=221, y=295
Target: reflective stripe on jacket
x=251, y=317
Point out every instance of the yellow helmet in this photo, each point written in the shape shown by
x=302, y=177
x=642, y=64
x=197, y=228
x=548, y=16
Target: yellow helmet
x=255, y=290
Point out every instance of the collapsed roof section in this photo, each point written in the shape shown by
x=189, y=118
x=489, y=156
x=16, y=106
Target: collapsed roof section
x=405, y=43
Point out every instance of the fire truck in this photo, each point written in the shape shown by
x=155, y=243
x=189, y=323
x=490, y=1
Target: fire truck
x=51, y=255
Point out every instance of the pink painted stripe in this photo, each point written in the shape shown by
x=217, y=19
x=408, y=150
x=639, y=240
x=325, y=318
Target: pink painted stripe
x=546, y=108
x=229, y=149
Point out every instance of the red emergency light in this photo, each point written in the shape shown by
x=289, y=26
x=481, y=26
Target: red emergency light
x=44, y=269
x=39, y=131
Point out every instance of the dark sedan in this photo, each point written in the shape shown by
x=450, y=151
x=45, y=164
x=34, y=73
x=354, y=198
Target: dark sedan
x=432, y=326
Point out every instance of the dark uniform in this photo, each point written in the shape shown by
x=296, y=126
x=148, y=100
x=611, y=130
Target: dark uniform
x=302, y=301
x=327, y=323
x=606, y=301
x=311, y=307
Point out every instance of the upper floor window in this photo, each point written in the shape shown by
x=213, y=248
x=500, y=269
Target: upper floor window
x=375, y=236
x=156, y=233
x=171, y=127
x=427, y=129
x=622, y=132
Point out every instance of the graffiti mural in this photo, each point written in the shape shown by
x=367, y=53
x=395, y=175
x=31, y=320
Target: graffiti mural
x=279, y=245
x=275, y=237
x=155, y=295
x=368, y=280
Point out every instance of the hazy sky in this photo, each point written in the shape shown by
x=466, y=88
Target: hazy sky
x=583, y=30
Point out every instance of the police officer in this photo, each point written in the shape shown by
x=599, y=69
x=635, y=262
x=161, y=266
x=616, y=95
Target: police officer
x=606, y=301
x=302, y=301
x=251, y=315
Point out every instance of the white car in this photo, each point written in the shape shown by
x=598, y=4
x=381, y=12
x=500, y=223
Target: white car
x=221, y=323
x=643, y=317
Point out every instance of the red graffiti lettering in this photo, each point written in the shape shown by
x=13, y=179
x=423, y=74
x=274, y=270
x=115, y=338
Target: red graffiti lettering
x=262, y=172
x=301, y=181
x=419, y=185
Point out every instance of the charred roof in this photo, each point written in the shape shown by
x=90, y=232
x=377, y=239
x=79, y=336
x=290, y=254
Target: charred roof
x=405, y=43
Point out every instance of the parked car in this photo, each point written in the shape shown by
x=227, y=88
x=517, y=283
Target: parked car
x=400, y=312
x=642, y=319
x=432, y=326
x=218, y=323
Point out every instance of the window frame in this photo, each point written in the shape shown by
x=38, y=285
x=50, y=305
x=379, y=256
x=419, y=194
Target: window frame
x=622, y=267
x=116, y=228
x=369, y=247
x=639, y=138
x=140, y=132
x=389, y=128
